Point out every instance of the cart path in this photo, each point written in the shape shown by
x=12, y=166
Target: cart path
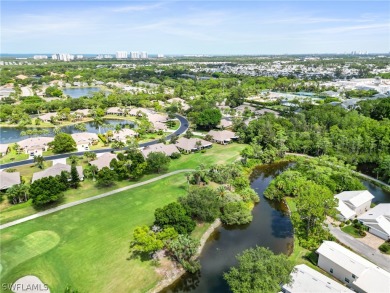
x=81, y=201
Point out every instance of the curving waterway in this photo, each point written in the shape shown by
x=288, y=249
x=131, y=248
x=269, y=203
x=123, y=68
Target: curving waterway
x=271, y=227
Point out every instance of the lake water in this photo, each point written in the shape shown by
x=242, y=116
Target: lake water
x=271, y=227
x=12, y=134
x=81, y=91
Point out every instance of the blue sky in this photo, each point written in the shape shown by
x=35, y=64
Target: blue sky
x=195, y=27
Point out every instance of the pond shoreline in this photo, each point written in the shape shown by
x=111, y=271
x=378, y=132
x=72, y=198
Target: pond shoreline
x=179, y=273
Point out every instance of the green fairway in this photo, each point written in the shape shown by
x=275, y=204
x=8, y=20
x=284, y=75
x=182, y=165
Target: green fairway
x=218, y=154
x=87, y=246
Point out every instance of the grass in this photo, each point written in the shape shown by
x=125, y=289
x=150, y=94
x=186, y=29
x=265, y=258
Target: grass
x=87, y=246
x=351, y=230
x=218, y=154
x=13, y=156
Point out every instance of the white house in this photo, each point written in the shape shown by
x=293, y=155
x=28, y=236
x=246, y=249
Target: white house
x=353, y=203
x=103, y=160
x=3, y=149
x=123, y=134
x=167, y=149
x=84, y=140
x=353, y=270
x=377, y=220
x=307, y=280
x=35, y=146
x=188, y=145
x=222, y=137
x=56, y=170
x=8, y=180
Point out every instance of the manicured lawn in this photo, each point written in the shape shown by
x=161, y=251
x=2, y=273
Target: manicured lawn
x=351, y=231
x=218, y=154
x=87, y=246
x=13, y=156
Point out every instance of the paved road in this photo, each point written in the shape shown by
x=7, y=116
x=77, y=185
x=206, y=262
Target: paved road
x=368, y=252
x=75, y=203
x=355, y=172
x=182, y=129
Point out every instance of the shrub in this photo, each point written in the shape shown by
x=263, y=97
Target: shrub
x=385, y=248
x=342, y=225
x=175, y=155
x=348, y=222
x=236, y=213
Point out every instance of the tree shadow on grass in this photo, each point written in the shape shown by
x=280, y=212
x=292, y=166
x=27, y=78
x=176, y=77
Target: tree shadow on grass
x=142, y=256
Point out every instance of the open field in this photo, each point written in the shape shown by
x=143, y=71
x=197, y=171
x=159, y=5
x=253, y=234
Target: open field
x=216, y=155
x=87, y=246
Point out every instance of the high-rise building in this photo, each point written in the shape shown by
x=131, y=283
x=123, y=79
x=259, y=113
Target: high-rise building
x=121, y=55
x=160, y=55
x=79, y=57
x=134, y=55
x=144, y=55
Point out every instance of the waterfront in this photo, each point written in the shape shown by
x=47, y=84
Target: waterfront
x=80, y=91
x=13, y=134
x=271, y=227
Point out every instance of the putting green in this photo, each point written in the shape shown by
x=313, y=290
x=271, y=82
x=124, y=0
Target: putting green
x=23, y=249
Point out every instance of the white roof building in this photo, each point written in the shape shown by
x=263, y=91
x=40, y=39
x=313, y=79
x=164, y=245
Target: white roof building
x=167, y=149
x=222, y=137
x=56, y=170
x=192, y=144
x=377, y=220
x=33, y=144
x=123, y=134
x=353, y=203
x=103, y=161
x=84, y=137
x=360, y=274
x=3, y=149
x=307, y=280
x=8, y=180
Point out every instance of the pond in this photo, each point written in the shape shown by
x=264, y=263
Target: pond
x=80, y=91
x=12, y=134
x=271, y=227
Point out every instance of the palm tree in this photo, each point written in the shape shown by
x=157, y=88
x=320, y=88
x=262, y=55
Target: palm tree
x=94, y=169
x=73, y=159
x=39, y=161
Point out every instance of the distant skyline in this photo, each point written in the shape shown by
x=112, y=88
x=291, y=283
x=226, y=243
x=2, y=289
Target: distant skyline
x=195, y=27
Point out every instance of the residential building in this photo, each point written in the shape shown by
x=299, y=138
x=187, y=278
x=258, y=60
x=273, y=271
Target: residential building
x=222, y=137
x=3, y=149
x=56, y=170
x=8, y=180
x=84, y=140
x=167, y=149
x=307, y=280
x=353, y=203
x=134, y=55
x=81, y=113
x=377, y=220
x=225, y=122
x=242, y=108
x=48, y=116
x=119, y=111
x=40, y=57
x=121, y=55
x=353, y=270
x=143, y=55
x=103, y=160
x=188, y=145
x=35, y=146
x=265, y=111
x=123, y=134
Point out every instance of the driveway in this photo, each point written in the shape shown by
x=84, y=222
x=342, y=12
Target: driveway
x=361, y=248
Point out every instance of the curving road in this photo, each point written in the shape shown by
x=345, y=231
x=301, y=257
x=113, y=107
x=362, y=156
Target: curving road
x=75, y=203
x=182, y=129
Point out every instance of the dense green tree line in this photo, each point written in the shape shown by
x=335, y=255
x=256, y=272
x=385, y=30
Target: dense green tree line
x=323, y=130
